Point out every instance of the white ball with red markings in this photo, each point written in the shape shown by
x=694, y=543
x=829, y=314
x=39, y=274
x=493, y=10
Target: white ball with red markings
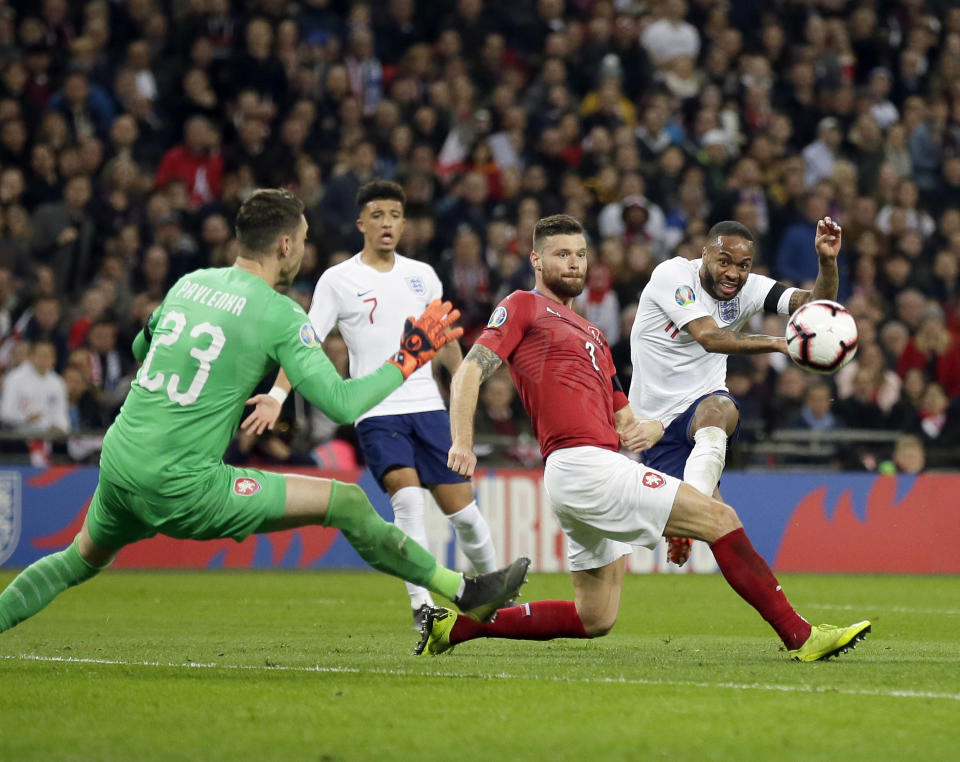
x=822, y=336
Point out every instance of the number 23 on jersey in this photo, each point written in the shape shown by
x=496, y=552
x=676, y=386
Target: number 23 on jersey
x=177, y=322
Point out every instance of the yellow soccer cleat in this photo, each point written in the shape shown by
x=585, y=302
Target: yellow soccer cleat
x=826, y=640
x=435, y=633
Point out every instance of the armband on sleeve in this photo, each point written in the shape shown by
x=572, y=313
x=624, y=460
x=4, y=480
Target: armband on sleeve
x=770, y=304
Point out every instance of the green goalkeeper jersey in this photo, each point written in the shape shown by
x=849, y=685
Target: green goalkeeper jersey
x=204, y=350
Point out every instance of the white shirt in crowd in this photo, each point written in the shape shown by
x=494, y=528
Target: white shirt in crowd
x=26, y=394
x=369, y=308
x=664, y=40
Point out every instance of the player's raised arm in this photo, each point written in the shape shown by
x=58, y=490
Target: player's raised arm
x=477, y=367
x=827, y=243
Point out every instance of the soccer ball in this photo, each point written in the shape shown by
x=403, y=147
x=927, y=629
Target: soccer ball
x=822, y=336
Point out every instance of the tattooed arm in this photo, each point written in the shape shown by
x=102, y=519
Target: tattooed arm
x=477, y=367
x=713, y=338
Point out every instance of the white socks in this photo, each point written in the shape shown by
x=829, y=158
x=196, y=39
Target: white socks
x=705, y=463
x=473, y=536
x=408, y=508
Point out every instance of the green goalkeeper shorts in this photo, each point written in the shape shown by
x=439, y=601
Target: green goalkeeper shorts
x=229, y=503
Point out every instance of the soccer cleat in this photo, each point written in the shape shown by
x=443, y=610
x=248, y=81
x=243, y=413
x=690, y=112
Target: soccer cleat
x=826, y=640
x=420, y=616
x=485, y=593
x=435, y=633
x=678, y=549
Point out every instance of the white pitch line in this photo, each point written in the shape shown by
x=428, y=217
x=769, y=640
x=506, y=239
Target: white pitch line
x=498, y=676
x=883, y=607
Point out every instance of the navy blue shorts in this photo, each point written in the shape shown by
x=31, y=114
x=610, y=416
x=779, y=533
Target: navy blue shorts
x=416, y=440
x=671, y=452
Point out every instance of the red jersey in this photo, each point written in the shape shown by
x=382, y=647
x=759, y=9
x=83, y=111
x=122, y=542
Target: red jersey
x=562, y=368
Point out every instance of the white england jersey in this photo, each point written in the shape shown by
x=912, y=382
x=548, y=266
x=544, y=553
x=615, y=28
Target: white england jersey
x=369, y=307
x=670, y=369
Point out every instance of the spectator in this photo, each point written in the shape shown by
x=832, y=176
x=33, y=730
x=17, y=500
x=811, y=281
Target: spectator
x=670, y=35
x=598, y=302
x=821, y=155
x=816, y=412
x=108, y=369
x=64, y=235
x=43, y=324
x=84, y=413
x=935, y=350
x=909, y=456
x=468, y=282
x=338, y=209
x=87, y=107
x=196, y=162
x=503, y=429
x=933, y=412
x=860, y=410
x=787, y=401
x=34, y=397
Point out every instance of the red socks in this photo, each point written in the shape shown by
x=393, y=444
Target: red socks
x=742, y=566
x=748, y=574
x=538, y=620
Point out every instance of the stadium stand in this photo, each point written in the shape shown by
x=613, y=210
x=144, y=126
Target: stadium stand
x=131, y=131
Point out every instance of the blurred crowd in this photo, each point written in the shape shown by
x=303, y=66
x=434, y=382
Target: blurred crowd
x=131, y=131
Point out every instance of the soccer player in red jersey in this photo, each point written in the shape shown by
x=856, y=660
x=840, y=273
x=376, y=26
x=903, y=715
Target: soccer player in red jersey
x=605, y=501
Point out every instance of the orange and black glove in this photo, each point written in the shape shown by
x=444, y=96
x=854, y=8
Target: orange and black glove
x=423, y=336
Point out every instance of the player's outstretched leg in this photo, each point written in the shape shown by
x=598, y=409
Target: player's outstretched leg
x=537, y=620
x=749, y=575
x=41, y=582
x=592, y=614
x=387, y=549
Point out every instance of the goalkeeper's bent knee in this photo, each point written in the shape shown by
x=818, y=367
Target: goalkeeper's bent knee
x=382, y=545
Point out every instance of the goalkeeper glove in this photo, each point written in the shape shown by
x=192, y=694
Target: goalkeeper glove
x=425, y=335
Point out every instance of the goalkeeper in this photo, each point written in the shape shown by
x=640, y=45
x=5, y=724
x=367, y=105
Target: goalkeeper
x=217, y=333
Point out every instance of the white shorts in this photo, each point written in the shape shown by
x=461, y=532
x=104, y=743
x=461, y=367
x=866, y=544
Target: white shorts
x=605, y=503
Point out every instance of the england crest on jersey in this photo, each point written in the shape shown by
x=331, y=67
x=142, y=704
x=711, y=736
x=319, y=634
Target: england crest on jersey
x=10, y=511
x=416, y=284
x=729, y=311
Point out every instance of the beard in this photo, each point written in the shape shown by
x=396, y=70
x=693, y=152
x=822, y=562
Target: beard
x=563, y=288
x=710, y=284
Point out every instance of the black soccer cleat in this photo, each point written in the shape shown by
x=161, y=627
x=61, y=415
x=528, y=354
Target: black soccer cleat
x=420, y=616
x=485, y=593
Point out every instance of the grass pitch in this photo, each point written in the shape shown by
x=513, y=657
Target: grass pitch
x=317, y=666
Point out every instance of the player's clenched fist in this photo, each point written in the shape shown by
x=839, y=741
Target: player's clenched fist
x=425, y=335
x=461, y=460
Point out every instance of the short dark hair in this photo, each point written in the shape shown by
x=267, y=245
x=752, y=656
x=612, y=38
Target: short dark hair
x=266, y=215
x=730, y=227
x=379, y=190
x=555, y=224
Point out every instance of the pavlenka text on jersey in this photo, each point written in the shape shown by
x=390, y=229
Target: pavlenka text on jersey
x=222, y=300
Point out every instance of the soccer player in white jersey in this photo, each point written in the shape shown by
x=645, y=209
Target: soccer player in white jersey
x=689, y=319
x=406, y=437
